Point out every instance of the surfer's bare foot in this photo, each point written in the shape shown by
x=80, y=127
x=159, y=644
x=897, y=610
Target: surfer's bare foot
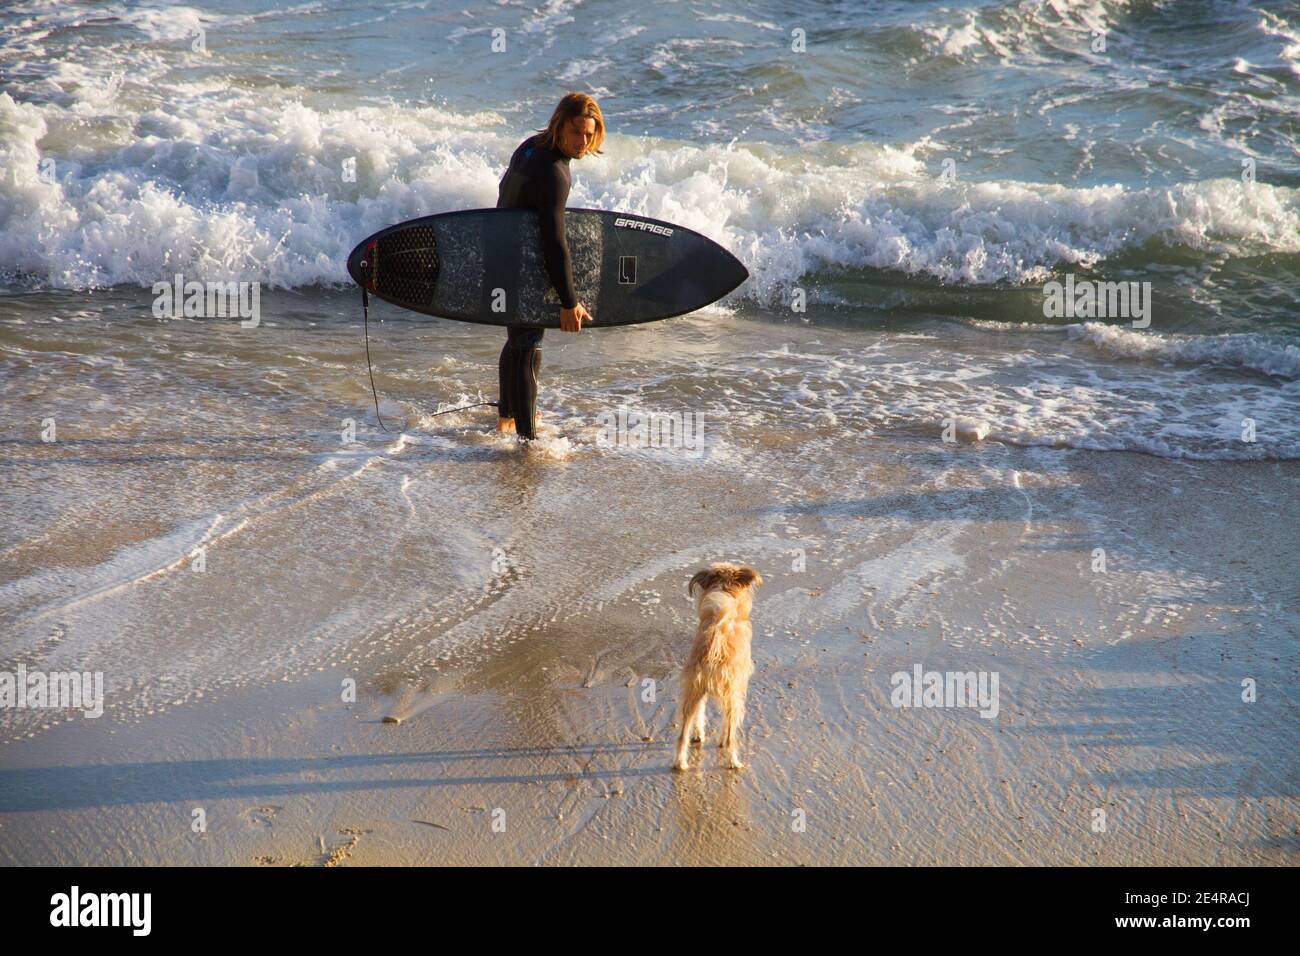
x=505, y=425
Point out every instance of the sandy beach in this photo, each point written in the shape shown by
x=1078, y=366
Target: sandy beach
x=1119, y=691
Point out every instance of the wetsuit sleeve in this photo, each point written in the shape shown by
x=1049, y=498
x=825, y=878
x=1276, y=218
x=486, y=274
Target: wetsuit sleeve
x=555, y=247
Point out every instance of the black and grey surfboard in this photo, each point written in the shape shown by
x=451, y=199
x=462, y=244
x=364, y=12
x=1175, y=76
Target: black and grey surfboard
x=485, y=265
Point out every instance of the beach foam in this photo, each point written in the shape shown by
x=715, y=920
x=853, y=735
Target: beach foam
x=228, y=188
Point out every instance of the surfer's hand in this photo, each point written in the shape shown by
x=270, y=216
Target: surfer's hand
x=571, y=319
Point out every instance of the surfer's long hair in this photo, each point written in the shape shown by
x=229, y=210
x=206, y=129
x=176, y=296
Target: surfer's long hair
x=574, y=105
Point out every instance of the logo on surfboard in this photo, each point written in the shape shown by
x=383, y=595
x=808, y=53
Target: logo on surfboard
x=647, y=226
x=627, y=270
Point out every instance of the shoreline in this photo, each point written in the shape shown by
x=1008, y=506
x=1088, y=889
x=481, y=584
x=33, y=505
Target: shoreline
x=1140, y=717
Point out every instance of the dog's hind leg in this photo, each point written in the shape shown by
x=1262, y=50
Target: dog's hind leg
x=690, y=712
x=699, y=732
x=732, y=716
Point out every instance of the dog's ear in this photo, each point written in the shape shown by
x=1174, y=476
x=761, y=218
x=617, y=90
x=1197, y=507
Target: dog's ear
x=747, y=577
x=701, y=580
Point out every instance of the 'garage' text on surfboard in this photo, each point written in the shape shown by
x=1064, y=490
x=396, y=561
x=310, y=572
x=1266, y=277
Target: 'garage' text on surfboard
x=647, y=226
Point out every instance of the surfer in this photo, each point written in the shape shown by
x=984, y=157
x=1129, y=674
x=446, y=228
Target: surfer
x=538, y=178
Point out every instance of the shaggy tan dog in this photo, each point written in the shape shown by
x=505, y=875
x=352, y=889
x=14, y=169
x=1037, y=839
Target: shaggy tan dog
x=719, y=665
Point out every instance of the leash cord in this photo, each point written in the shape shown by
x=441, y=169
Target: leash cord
x=365, y=312
x=461, y=409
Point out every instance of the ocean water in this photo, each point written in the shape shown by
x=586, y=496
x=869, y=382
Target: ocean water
x=823, y=170
x=916, y=173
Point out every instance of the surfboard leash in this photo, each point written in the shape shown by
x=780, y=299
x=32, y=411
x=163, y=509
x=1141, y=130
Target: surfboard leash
x=461, y=409
x=365, y=318
x=365, y=321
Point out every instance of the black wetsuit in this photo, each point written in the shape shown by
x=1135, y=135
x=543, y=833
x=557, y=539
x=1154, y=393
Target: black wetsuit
x=537, y=178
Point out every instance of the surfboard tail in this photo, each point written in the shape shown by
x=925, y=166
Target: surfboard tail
x=363, y=264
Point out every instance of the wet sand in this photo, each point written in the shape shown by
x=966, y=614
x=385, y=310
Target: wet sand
x=1118, y=692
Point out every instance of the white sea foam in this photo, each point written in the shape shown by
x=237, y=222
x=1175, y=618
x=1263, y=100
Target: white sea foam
x=1028, y=31
x=1275, y=27
x=228, y=187
x=1248, y=350
x=1044, y=392
x=1245, y=350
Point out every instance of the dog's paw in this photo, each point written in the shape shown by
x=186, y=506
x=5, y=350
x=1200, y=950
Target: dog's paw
x=681, y=766
x=733, y=763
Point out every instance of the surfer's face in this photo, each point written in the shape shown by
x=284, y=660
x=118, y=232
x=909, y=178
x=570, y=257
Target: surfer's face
x=577, y=135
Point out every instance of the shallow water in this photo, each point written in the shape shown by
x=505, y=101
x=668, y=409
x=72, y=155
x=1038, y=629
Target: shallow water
x=823, y=171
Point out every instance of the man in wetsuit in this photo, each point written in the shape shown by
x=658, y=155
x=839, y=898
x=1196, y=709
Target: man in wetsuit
x=538, y=178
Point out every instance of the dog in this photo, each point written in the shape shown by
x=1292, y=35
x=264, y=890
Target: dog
x=719, y=664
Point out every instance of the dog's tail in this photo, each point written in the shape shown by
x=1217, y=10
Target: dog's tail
x=717, y=615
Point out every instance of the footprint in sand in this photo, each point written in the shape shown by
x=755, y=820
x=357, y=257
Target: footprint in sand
x=261, y=816
x=336, y=855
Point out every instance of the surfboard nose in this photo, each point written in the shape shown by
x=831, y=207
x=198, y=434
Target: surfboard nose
x=732, y=271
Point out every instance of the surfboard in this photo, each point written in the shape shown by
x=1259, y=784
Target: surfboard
x=486, y=266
